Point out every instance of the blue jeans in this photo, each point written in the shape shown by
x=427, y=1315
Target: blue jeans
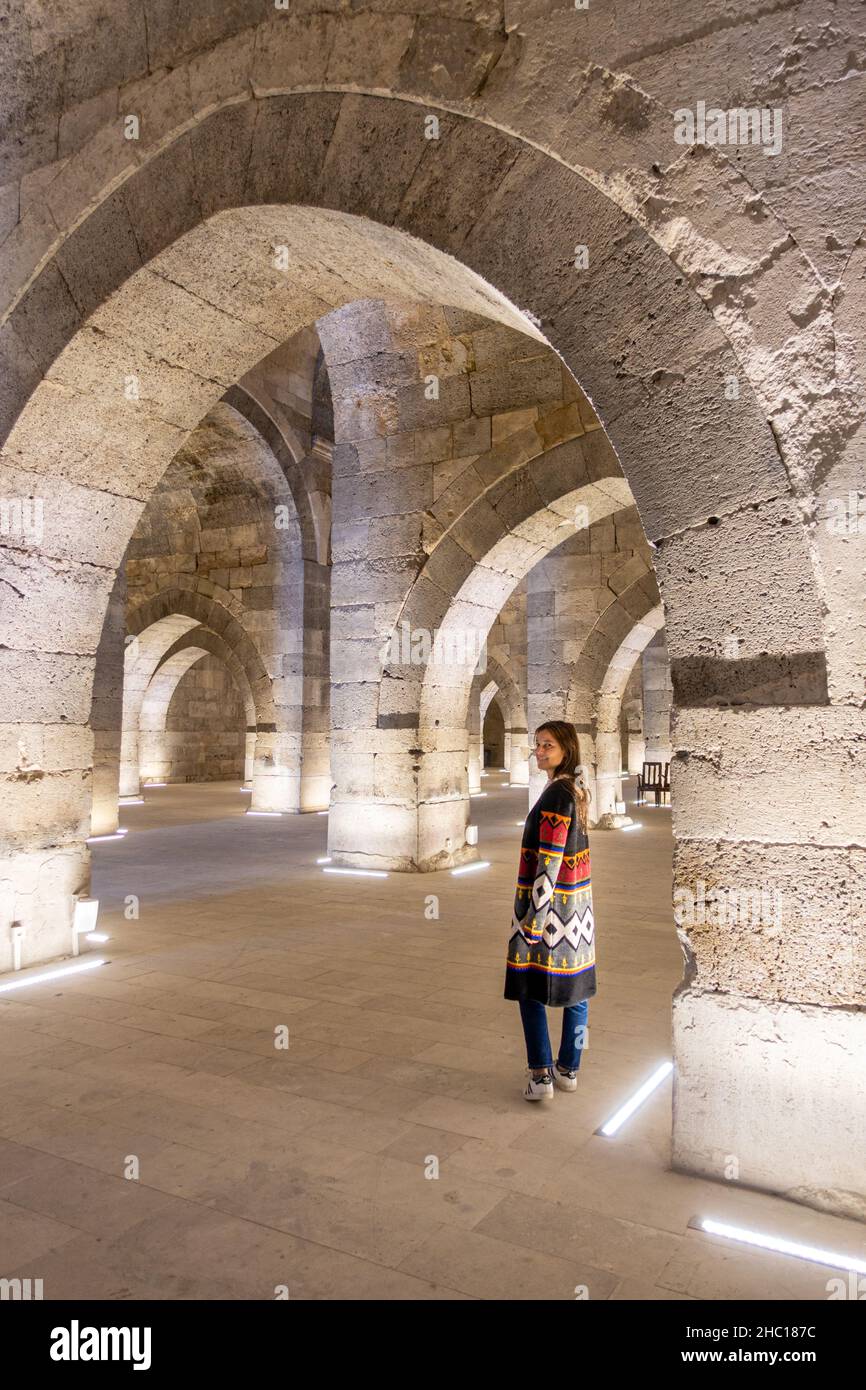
x=538, y=1054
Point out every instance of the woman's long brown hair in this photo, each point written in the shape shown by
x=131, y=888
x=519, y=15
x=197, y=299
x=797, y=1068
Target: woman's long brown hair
x=568, y=769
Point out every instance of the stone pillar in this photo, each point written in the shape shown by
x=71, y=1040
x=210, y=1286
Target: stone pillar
x=430, y=407
x=135, y=682
x=571, y=597
x=390, y=431
x=658, y=694
x=506, y=645
x=517, y=757
x=316, y=777
x=106, y=712
x=768, y=1024
x=249, y=756
x=632, y=720
x=476, y=736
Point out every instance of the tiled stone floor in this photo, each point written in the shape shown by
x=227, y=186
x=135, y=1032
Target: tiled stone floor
x=305, y=1167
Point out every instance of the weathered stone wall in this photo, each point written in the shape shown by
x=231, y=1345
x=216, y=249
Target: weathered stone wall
x=632, y=743
x=657, y=699
x=203, y=739
x=718, y=327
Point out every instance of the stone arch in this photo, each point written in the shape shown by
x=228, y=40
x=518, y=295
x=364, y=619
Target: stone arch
x=205, y=641
x=619, y=136
x=173, y=613
x=707, y=474
x=607, y=744
x=601, y=674
x=195, y=646
x=493, y=713
x=493, y=682
x=531, y=265
x=746, y=493
x=289, y=455
x=513, y=707
x=533, y=519
x=161, y=627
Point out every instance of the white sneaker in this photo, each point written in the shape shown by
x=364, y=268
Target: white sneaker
x=565, y=1080
x=541, y=1089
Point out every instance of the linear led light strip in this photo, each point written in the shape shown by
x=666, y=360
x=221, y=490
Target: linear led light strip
x=263, y=813
x=470, y=868
x=100, y=839
x=613, y=1124
x=51, y=975
x=783, y=1247
x=358, y=873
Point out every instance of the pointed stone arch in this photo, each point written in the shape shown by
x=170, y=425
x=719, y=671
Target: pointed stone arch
x=713, y=489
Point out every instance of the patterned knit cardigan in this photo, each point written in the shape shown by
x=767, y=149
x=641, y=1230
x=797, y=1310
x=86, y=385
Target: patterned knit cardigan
x=551, y=952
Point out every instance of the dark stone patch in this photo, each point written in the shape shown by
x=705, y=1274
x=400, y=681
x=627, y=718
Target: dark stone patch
x=795, y=678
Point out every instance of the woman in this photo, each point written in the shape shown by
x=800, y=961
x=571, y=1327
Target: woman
x=551, y=953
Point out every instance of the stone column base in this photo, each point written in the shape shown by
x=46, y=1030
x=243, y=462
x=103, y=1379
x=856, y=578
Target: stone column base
x=38, y=889
x=379, y=835
x=772, y=1096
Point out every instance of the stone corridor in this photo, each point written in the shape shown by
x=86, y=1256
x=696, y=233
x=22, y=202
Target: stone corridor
x=383, y=382
x=306, y=1166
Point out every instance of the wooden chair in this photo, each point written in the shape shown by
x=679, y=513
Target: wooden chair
x=651, y=779
x=666, y=781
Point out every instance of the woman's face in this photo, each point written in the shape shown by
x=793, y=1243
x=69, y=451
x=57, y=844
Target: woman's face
x=548, y=753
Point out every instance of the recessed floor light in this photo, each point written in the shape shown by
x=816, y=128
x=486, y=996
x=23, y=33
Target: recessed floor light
x=815, y=1253
x=470, y=868
x=51, y=975
x=358, y=873
x=614, y=1123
